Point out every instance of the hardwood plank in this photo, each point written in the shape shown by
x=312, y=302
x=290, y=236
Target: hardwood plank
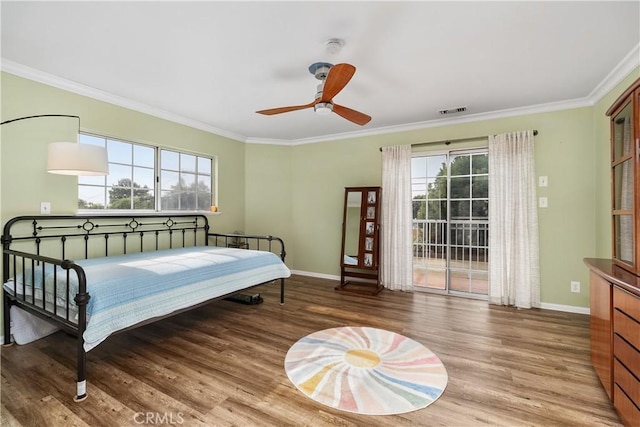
x=6, y=419
x=18, y=405
x=59, y=414
x=223, y=364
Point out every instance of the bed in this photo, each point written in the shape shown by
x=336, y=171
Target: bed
x=94, y=276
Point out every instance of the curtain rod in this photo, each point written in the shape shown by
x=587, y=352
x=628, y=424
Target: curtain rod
x=450, y=141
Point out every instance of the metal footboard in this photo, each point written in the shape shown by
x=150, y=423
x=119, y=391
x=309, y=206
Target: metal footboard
x=24, y=294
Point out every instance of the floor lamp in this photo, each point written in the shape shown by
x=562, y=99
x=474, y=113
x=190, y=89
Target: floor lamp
x=72, y=158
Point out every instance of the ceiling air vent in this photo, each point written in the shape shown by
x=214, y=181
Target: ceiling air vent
x=453, y=110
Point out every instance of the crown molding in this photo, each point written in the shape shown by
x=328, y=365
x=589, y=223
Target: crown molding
x=88, y=91
x=268, y=141
x=499, y=114
x=630, y=62
x=622, y=70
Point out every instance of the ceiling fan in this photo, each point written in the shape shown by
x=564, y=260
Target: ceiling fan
x=333, y=79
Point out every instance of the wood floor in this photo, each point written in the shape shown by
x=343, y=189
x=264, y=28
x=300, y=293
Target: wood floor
x=222, y=365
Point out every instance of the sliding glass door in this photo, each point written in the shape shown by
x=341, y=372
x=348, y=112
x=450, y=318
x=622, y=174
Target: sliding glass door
x=450, y=193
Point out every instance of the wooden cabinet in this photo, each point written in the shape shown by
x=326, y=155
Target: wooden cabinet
x=625, y=178
x=601, y=329
x=615, y=335
x=626, y=355
x=615, y=283
x=360, y=255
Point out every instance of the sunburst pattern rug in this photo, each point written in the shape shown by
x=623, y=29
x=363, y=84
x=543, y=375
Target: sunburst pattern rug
x=366, y=370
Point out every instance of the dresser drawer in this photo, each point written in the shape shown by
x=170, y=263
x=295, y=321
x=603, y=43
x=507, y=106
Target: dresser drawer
x=627, y=355
x=628, y=411
x=626, y=302
x=626, y=327
x=626, y=381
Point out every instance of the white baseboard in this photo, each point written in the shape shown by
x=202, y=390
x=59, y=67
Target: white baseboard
x=318, y=275
x=544, y=305
x=567, y=308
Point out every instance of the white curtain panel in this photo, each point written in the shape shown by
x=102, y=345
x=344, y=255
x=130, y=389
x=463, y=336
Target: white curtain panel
x=397, y=218
x=514, y=271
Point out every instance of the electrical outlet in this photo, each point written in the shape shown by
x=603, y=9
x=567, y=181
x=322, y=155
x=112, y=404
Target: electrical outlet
x=45, y=208
x=543, y=202
x=575, y=287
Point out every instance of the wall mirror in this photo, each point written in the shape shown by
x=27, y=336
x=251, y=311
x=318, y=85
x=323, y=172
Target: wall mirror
x=353, y=206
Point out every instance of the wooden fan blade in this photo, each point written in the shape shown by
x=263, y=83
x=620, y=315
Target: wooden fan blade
x=338, y=77
x=352, y=115
x=279, y=110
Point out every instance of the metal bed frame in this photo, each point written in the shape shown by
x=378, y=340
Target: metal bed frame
x=32, y=242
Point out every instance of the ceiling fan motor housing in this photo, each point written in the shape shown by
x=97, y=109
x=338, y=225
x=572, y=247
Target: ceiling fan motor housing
x=320, y=69
x=319, y=90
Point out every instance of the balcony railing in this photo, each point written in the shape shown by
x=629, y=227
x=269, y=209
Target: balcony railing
x=465, y=240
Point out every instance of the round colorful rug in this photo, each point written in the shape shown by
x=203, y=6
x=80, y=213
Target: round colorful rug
x=366, y=371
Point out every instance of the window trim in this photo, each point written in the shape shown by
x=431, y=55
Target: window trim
x=157, y=149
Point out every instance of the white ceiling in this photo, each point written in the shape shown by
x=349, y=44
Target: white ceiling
x=213, y=64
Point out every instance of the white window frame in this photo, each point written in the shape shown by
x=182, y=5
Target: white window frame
x=157, y=174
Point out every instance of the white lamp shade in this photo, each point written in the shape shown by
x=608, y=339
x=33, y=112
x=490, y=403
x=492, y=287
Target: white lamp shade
x=70, y=158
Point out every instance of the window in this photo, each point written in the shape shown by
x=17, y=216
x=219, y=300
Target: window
x=185, y=181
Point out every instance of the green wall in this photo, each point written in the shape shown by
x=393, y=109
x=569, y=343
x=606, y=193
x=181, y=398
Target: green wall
x=296, y=192
x=563, y=147
x=25, y=182
x=268, y=193
x=571, y=150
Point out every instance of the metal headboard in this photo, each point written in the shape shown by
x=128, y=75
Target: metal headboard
x=85, y=236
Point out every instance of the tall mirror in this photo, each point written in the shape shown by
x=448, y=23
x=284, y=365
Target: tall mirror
x=360, y=241
x=351, y=247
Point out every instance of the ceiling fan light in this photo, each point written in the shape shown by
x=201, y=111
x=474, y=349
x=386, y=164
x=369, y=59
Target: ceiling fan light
x=323, y=108
x=334, y=46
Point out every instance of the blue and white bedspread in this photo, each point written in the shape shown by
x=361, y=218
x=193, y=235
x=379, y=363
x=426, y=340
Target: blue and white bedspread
x=128, y=289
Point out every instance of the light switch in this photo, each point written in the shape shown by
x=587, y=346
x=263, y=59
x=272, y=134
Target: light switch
x=543, y=202
x=543, y=181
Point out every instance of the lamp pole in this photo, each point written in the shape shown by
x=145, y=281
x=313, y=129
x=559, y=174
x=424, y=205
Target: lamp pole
x=42, y=115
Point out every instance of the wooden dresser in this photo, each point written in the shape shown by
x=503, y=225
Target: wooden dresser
x=615, y=335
